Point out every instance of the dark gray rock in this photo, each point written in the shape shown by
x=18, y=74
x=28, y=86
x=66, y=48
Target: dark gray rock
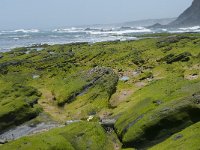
x=108, y=123
x=171, y=58
x=197, y=98
x=25, y=129
x=71, y=121
x=157, y=102
x=157, y=26
x=3, y=141
x=190, y=17
x=177, y=137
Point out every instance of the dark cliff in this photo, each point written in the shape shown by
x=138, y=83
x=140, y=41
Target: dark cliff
x=190, y=17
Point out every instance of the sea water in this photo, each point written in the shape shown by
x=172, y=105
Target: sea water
x=18, y=38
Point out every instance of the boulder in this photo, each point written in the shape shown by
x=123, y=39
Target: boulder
x=155, y=126
x=108, y=123
x=97, y=77
x=3, y=141
x=171, y=58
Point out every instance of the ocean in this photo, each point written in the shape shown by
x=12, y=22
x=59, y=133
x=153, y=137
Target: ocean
x=18, y=38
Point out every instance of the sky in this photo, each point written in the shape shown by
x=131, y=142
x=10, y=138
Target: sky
x=17, y=14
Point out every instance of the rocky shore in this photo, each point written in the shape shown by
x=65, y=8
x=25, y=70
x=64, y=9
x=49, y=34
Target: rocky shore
x=141, y=94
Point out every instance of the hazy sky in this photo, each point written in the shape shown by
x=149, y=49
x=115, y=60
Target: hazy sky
x=55, y=13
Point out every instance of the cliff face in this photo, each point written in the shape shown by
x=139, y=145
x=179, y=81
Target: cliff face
x=190, y=17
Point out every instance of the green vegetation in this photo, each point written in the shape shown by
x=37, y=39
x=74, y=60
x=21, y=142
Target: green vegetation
x=186, y=139
x=81, y=135
x=160, y=123
x=18, y=104
x=150, y=86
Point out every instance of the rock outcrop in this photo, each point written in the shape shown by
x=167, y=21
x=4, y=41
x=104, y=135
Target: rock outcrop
x=156, y=126
x=190, y=17
x=81, y=135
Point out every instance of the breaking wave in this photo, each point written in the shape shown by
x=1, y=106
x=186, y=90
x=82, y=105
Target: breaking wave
x=27, y=37
x=21, y=31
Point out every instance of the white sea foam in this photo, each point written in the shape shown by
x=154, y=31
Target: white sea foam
x=119, y=31
x=186, y=29
x=28, y=31
x=16, y=38
x=191, y=28
x=21, y=31
x=103, y=31
x=68, y=30
x=164, y=30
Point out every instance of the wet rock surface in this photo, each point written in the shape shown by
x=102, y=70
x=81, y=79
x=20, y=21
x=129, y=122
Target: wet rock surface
x=87, y=133
x=24, y=130
x=108, y=123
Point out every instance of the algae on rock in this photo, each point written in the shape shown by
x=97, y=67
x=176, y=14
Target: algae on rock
x=80, y=81
x=81, y=135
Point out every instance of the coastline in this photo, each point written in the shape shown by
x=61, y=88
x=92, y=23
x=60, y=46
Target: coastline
x=20, y=38
x=138, y=83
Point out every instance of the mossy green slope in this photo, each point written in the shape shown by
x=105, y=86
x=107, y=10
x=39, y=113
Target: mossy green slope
x=81, y=135
x=186, y=139
x=158, y=124
x=17, y=104
x=159, y=109
x=162, y=80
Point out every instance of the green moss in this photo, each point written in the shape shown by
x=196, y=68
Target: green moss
x=146, y=75
x=17, y=105
x=104, y=80
x=174, y=58
x=83, y=77
x=66, y=91
x=82, y=135
x=160, y=123
x=186, y=139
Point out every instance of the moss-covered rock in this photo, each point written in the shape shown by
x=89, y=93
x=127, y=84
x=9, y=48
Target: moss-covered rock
x=80, y=81
x=163, y=42
x=174, y=58
x=156, y=125
x=186, y=139
x=81, y=136
x=105, y=79
x=17, y=105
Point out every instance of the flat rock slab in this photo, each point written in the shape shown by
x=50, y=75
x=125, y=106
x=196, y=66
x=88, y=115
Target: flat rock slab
x=25, y=130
